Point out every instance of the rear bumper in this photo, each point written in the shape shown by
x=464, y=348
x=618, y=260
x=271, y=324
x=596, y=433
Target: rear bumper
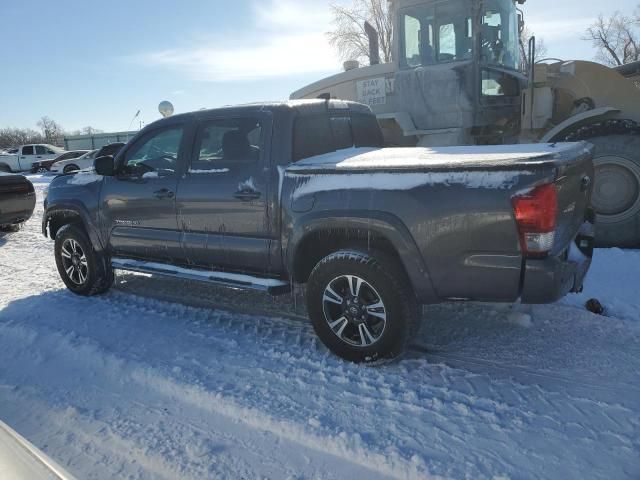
x=37, y=166
x=548, y=280
x=16, y=208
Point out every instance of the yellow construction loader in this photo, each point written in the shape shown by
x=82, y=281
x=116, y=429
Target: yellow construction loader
x=457, y=78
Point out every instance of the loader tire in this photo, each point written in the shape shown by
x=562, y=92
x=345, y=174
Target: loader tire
x=616, y=192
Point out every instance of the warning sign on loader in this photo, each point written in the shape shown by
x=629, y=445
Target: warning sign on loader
x=372, y=91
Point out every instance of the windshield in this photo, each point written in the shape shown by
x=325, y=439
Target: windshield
x=90, y=154
x=500, y=34
x=54, y=149
x=437, y=33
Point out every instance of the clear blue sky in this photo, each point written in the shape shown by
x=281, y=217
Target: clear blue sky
x=96, y=63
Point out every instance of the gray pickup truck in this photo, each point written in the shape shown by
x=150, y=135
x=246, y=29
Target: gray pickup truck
x=267, y=195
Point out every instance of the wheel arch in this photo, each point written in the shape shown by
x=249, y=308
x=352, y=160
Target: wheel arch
x=317, y=235
x=56, y=218
x=573, y=123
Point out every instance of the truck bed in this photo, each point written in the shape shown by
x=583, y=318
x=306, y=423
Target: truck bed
x=442, y=158
x=456, y=203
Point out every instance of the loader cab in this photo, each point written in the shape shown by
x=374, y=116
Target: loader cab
x=458, y=67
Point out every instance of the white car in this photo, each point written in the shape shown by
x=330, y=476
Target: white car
x=74, y=164
x=21, y=460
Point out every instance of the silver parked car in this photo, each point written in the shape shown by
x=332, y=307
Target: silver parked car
x=75, y=164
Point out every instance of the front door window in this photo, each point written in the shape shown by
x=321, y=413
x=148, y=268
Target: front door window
x=155, y=157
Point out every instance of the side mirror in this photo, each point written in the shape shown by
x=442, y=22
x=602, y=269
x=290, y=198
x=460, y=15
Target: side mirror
x=104, y=166
x=521, y=23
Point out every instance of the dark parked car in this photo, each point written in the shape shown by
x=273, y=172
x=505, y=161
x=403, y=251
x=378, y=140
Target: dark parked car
x=17, y=200
x=45, y=165
x=263, y=196
x=111, y=149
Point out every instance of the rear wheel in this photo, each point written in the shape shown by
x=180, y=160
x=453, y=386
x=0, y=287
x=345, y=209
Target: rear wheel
x=361, y=305
x=82, y=270
x=616, y=193
x=70, y=168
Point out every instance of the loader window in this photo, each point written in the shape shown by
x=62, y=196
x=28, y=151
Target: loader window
x=412, y=41
x=447, y=39
x=418, y=40
x=500, y=34
x=436, y=34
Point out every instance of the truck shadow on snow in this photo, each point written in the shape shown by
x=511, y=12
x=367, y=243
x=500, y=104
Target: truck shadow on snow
x=556, y=345
x=5, y=235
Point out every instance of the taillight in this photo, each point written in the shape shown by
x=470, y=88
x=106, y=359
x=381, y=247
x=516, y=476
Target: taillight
x=536, y=213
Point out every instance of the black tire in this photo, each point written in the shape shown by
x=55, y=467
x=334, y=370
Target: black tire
x=70, y=168
x=11, y=228
x=91, y=276
x=382, y=279
x=5, y=168
x=616, y=196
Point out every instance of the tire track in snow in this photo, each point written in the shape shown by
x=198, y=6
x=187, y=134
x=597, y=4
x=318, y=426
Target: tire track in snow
x=445, y=402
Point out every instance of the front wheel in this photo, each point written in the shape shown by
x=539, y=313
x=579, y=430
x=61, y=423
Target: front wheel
x=80, y=267
x=361, y=305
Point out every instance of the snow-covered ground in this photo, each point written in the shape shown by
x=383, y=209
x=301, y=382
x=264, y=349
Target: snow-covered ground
x=167, y=379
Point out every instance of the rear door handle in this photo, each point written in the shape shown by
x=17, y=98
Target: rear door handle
x=163, y=193
x=247, y=195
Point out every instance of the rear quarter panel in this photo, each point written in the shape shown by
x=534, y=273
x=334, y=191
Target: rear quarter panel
x=461, y=223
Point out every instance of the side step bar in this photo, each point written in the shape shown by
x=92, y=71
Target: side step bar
x=232, y=280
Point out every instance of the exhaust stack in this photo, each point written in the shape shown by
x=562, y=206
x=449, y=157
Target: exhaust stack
x=374, y=44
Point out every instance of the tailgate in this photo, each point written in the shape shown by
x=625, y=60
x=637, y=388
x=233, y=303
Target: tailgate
x=574, y=182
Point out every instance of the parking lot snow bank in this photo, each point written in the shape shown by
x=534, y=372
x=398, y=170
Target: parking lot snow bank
x=614, y=279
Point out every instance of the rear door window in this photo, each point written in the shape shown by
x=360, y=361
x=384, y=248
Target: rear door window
x=319, y=134
x=225, y=143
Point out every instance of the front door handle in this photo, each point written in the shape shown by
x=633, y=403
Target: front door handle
x=163, y=193
x=247, y=195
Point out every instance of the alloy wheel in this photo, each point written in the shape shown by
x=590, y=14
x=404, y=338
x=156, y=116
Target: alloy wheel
x=354, y=311
x=74, y=261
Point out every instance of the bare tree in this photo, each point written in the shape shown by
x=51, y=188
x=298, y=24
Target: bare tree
x=88, y=130
x=51, y=130
x=616, y=38
x=349, y=36
x=541, y=48
x=14, y=137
